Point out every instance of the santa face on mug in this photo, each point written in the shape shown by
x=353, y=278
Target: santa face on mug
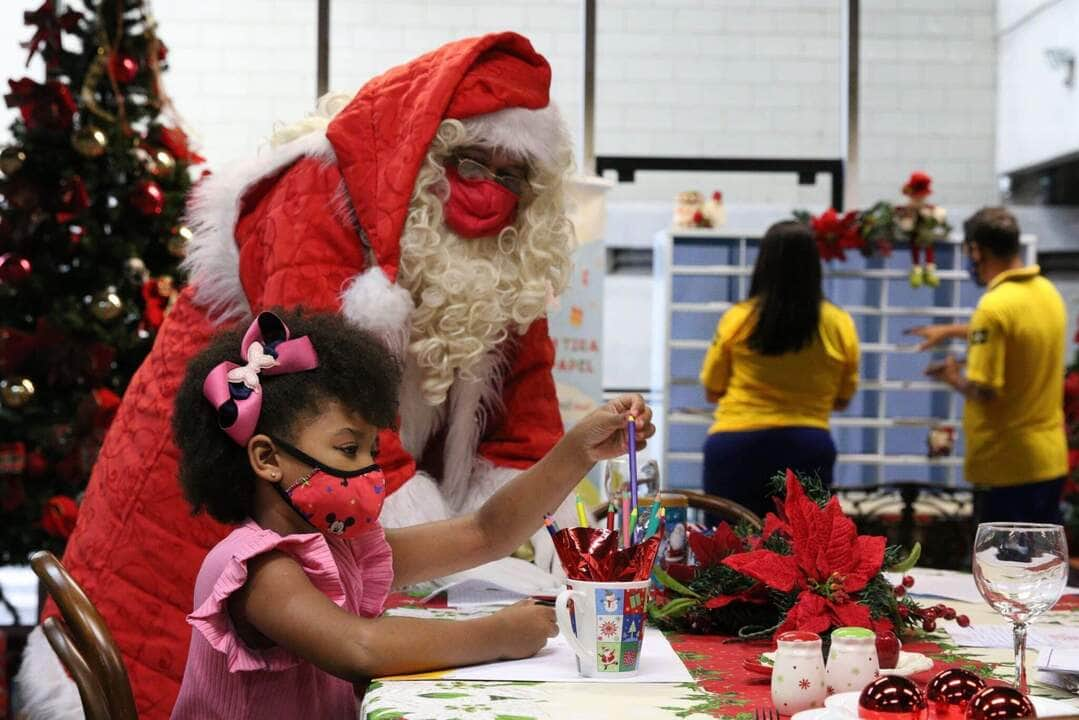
x=472, y=289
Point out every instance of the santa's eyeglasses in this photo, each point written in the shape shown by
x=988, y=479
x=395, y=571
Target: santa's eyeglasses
x=470, y=169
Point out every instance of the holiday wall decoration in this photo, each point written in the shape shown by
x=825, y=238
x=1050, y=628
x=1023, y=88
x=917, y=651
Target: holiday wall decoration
x=875, y=231
x=91, y=193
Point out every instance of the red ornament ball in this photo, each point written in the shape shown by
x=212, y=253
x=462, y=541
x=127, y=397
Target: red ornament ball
x=124, y=67
x=950, y=691
x=14, y=269
x=891, y=697
x=899, y=591
x=963, y=621
x=1000, y=703
x=908, y=581
x=148, y=198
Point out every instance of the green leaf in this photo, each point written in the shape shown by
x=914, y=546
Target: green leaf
x=675, y=608
x=911, y=560
x=673, y=584
x=443, y=695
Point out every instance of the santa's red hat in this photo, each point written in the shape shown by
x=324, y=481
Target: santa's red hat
x=497, y=84
x=382, y=136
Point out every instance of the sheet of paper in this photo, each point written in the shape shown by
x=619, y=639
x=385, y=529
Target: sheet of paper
x=557, y=663
x=948, y=584
x=480, y=592
x=1000, y=636
x=1059, y=660
x=500, y=582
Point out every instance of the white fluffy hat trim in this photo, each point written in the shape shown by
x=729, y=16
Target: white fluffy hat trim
x=539, y=135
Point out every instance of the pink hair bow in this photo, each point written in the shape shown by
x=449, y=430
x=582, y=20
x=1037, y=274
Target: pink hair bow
x=235, y=391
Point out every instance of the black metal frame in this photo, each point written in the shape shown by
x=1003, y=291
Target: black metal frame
x=806, y=168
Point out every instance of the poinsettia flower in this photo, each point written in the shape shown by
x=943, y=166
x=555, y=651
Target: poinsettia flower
x=757, y=595
x=829, y=562
x=710, y=549
x=836, y=233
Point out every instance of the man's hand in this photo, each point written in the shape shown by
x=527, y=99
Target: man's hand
x=946, y=370
x=934, y=335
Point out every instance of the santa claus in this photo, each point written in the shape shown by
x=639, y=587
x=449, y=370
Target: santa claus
x=428, y=208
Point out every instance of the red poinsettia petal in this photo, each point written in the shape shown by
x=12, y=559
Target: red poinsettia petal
x=682, y=572
x=850, y=614
x=866, y=559
x=772, y=524
x=711, y=549
x=810, y=613
x=774, y=570
x=758, y=595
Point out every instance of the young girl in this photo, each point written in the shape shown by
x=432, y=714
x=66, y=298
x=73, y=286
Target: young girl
x=278, y=432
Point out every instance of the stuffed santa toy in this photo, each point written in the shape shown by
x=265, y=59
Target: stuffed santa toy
x=429, y=209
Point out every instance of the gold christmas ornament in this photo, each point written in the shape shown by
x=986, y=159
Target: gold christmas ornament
x=11, y=160
x=164, y=164
x=90, y=141
x=181, y=236
x=16, y=391
x=106, y=305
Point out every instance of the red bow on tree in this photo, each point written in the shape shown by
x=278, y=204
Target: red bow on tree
x=829, y=563
x=48, y=31
x=46, y=106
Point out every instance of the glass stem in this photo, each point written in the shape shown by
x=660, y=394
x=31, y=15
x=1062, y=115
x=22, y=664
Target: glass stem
x=1020, y=631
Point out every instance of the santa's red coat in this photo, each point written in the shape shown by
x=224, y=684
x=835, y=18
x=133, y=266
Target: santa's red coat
x=137, y=549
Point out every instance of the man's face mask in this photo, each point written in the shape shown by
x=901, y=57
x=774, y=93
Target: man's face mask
x=478, y=207
x=344, y=503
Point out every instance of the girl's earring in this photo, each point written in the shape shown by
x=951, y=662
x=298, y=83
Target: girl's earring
x=274, y=474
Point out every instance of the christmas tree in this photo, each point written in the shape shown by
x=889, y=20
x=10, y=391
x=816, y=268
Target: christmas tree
x=92, y=188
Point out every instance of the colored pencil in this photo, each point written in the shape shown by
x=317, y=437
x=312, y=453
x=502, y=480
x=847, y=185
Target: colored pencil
x=582, y=514
x=631, y=437
x=550, y=524
x=653, y=519
x=633, y=526
x=625, y=520
x=612, y=510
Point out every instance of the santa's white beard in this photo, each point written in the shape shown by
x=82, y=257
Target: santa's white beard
x=470, y=294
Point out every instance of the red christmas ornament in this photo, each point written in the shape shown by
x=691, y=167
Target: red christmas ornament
x=36, y=464
x=123, y=67
x=950, y=691
x=891, y=697
x=73, y=199
x=12, y=458
x=148, y=198
x=14, y=269
x=59, y=515
x=1000, y=703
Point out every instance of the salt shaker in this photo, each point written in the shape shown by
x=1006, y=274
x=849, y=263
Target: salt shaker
x=798, y=673
x=852, y=660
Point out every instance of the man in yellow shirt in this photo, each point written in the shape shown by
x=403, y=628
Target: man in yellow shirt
x=1013, y=419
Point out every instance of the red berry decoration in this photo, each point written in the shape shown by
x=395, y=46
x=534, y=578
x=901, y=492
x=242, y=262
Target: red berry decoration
x=908, y=581
x=949, y=614
x=929, y=625
x=963, y=621
x=900, y=591
x=148, y=198
x=929, y=614
x=123, y=67
x=904, y=611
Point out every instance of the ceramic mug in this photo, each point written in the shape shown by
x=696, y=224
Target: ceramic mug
x=798, y=673
x=852, y=660
x=606, y=625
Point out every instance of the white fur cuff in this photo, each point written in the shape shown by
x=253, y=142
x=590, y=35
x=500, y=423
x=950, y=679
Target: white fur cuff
x=373, y=303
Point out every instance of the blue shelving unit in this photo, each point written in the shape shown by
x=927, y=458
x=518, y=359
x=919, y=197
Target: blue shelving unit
x=881, y=437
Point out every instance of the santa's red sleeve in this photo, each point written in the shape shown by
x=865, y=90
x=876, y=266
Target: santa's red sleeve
x=530, y=423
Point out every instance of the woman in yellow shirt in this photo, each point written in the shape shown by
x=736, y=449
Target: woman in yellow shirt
x=779, y=364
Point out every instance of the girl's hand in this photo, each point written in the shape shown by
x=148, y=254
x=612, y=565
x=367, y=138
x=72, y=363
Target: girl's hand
x=524, y=628
x=602, y=434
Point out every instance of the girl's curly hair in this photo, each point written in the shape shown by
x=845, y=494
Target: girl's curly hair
x=354, y=369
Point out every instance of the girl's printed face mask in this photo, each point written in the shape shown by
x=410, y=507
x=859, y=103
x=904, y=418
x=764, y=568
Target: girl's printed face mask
x=344, y=503
x=478, y=208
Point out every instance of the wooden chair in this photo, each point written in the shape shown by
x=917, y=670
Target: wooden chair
x=84, y=644
x=713, y=505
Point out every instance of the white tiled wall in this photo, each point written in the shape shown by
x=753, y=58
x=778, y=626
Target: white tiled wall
x=677, y=77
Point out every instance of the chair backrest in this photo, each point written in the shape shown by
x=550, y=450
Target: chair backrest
x=722, y=508
x=94, y=703
x=90, y=635
x=714, y=505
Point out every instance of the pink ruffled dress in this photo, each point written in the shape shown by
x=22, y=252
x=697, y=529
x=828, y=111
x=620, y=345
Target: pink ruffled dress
x=226, y=679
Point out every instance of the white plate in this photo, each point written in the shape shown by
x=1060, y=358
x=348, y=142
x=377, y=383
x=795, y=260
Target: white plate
x=910, y=663
x=847, y=703
x=820, y=714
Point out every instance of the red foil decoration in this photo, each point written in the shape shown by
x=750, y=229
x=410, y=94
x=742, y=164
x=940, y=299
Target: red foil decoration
x=148, y=198
x=891, y=697
x=950, y=691
x=1000, y=703
x=592, y=554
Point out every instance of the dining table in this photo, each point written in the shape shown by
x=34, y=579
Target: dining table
x=721, y=686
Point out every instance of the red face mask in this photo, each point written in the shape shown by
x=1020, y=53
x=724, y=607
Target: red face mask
x=478, y=208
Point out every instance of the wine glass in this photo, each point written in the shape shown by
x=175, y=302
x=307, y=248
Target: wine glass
x=1020, y=570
